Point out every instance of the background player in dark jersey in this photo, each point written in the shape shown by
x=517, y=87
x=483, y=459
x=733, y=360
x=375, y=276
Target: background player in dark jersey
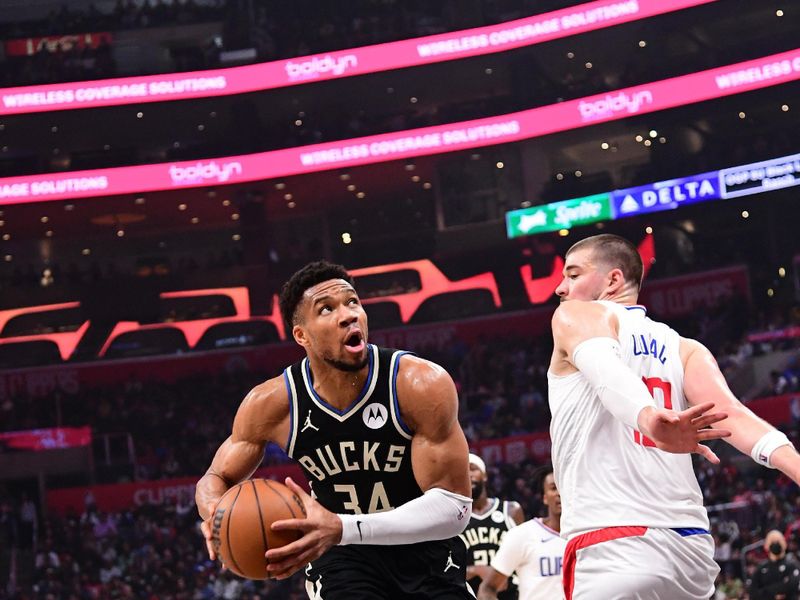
x=377, y=434
x=491, y=519
x=534, y=551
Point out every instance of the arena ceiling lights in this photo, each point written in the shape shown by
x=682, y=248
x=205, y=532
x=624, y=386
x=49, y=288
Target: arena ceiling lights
x=335, y=65
x=582, y=112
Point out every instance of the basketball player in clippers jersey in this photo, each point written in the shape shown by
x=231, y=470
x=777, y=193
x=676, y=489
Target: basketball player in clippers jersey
x=534, y=551
x=377, y=435
x=630, y=400
x=491, y=519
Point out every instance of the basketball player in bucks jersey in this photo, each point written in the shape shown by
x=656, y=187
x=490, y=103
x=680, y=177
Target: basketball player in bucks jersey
x=491, y=519
x=376, y=432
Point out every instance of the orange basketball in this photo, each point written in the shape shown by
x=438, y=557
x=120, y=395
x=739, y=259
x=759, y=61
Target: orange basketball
x=241, y=532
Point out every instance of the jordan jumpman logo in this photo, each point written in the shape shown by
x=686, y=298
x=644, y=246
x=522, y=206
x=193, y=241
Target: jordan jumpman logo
x=450, y=564
x=308, y=424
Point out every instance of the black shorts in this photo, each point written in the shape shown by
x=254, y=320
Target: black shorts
x=435, y=570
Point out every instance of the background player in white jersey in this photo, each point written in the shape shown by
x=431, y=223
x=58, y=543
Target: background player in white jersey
x=620, y=386
x=534, y=550
x=491, y=519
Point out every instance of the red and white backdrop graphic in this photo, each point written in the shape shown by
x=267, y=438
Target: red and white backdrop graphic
x=52, y=438
x=56, y=43
x=124, y=496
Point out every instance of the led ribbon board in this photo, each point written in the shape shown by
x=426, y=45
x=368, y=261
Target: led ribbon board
x=334, y=65
x=733, y=182
x=665, y=195
x=765, y=176
x=527, y=124
x=559, y=215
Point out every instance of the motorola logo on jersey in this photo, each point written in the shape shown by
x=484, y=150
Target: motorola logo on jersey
x=202, y=172
x=375, y=415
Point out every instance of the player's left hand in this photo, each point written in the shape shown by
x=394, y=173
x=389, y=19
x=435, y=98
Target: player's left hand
x=321, y=529
x=681, y=432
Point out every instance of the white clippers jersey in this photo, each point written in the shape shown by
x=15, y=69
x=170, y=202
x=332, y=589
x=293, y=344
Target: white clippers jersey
x=536, y=553
x=608, y=474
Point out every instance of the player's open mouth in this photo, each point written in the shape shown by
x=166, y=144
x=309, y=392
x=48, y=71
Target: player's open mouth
x=354, y=342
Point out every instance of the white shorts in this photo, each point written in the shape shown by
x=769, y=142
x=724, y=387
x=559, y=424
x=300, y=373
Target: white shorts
x=640, y=563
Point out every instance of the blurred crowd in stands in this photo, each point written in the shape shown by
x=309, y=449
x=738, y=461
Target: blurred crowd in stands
x=152, y=552
x=156, y=551
x=502, y=384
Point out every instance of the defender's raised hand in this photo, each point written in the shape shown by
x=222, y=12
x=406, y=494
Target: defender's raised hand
x=681, y=432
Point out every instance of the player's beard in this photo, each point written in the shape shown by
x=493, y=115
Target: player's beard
x=345, y=366
x=477, y=489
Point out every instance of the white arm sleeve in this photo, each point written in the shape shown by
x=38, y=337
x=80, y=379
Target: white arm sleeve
x=436, y=515
x=511, y=552
x=622, y=393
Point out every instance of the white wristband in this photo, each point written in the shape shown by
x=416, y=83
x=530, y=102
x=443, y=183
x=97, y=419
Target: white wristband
x=436, y=515
x=766, y=445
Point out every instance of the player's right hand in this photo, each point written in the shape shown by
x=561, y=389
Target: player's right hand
x=681, y=432
x=206, y=528
x=321, y=530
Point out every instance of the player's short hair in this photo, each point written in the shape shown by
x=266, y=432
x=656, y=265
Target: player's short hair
x=616, y=252
x=307, y=277
x=540, y=474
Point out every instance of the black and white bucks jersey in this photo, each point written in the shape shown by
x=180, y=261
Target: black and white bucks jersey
x=483, y=537
x=357, y=460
